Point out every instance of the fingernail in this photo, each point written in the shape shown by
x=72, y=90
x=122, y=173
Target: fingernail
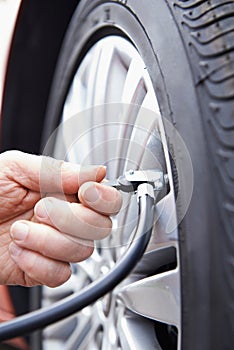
x=43, y=209
x=90, y=193
x=101, y=172
x=15, y=250
x=19, y=231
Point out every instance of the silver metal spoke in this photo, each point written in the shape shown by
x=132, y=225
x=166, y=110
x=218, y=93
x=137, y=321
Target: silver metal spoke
x=131, y=328
x=162, y=289
x=133, y=94
x=141, y=132
x=84, y=332
x=134, y=88
x=104, y=65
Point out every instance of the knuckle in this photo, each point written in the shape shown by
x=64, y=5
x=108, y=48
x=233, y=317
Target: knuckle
x=30, y=261
x=10, y=162
x=11, y=155
x=54, y=168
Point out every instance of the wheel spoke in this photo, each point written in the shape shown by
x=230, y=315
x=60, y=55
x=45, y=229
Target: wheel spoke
x=134, y=88
x=142, y=128
x=84, y=332
x=104, y=66
x=155, y=297
x=136, y=333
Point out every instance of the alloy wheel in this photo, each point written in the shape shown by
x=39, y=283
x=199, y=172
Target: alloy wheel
x=111, y=116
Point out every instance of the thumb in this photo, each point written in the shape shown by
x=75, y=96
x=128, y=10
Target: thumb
x=46, y=174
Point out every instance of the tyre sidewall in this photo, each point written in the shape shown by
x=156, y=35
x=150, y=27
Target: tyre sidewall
x=155, y=34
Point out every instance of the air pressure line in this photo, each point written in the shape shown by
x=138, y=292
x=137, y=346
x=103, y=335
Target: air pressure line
x=146, y=192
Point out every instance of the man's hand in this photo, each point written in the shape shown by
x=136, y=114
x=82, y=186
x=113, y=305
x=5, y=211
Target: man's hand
x=43, y=226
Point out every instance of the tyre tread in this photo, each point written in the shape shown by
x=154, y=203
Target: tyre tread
x=207, y=29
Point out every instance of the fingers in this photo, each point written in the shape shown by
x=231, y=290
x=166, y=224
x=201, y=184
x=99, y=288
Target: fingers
x=65, y=177
x=38, y=269
x=89, y=221
x=103, y=199
x=73, y=219
x=43, y=254
x=45, y=174
x=49, y=242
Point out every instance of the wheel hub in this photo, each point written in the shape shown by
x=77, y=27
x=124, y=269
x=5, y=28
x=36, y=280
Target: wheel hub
x=101, y=117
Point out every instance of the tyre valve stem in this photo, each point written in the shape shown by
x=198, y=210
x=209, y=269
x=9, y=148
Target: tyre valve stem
x=130, y=181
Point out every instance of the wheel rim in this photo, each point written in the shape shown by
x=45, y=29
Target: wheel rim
x=122, y=128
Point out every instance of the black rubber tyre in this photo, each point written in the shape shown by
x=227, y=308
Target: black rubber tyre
x=188, y=48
